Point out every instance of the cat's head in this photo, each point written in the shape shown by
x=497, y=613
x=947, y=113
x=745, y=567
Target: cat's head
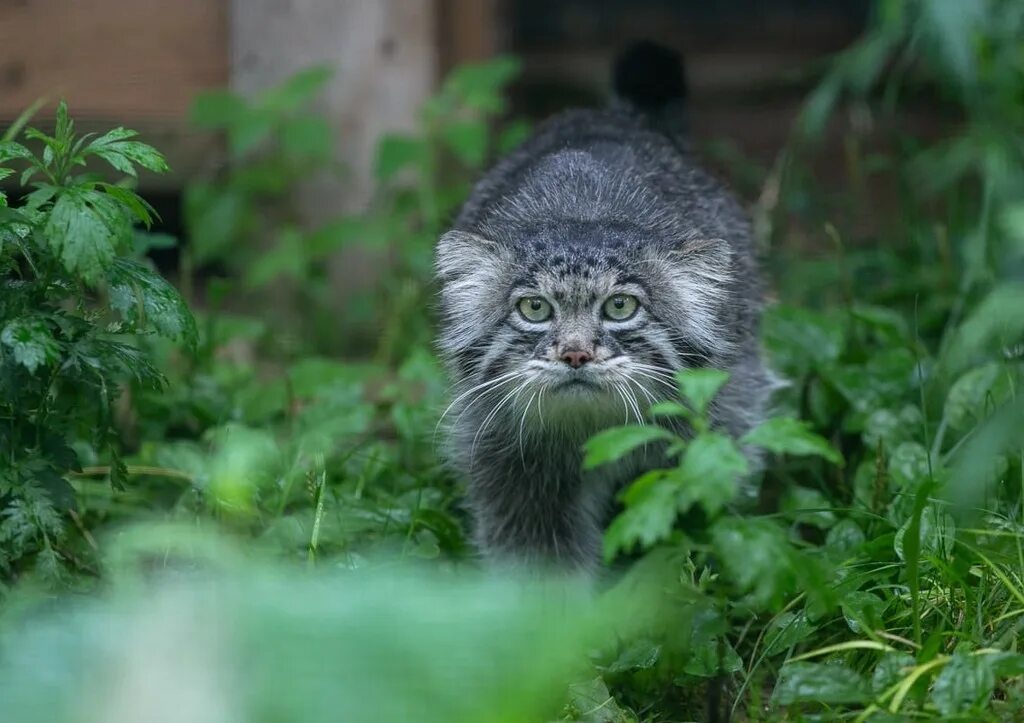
x=589, y=318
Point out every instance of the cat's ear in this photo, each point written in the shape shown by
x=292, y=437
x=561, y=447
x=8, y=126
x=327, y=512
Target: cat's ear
x=460, y=252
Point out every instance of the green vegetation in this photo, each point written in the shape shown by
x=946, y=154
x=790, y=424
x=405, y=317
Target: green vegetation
x=272, y=531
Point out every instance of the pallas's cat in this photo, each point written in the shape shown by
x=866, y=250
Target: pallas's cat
x=584, y=270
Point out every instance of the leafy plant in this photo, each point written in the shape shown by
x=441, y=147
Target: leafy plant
x=74, y=302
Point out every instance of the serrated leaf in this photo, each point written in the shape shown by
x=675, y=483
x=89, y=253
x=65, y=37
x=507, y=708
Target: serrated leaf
x=617, y=442
x=65, y=126
x=965, y=683
x=123, y=154
x=710, y=471
x=10, y=150
x=650, y=512
x=145, y=299
x=699, y=386
x=786, y=435
x=31, y=342
x=133, y=202
x=85, y=229
x=802, y=682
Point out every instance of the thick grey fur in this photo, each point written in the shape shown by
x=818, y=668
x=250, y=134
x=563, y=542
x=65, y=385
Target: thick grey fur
x=594, y=199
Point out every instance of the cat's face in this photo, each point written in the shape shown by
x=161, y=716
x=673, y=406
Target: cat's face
x=586, y=328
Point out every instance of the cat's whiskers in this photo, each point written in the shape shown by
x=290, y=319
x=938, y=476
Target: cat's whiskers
x=491, y=415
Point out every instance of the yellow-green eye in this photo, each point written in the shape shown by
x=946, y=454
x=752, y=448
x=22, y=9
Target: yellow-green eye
x=535, y=309
x=620, y=307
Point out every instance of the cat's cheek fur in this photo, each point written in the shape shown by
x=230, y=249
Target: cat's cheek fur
x=699, y=277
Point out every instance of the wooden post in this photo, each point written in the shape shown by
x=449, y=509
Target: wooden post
x=384, y=57
x=383, y=53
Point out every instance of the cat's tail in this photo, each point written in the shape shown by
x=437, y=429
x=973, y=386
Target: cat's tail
x=651, y=78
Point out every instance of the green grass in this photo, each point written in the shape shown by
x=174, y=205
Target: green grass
x=262, y=513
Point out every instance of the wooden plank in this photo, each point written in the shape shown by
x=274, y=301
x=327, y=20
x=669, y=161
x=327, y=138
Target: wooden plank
x=469, y=31
x=116, y=60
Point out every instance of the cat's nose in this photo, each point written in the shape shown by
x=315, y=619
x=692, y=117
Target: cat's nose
x=576, y=357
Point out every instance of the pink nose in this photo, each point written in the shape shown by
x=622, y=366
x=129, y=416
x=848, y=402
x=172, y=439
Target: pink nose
x=575, y=358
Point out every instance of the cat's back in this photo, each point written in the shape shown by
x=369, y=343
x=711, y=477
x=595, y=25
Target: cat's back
x=611, y=164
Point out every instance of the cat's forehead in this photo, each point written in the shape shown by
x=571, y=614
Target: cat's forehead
x=576, y=273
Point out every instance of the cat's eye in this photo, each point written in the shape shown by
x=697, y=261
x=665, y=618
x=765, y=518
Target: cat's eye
x=535, y=309
x=620, y=307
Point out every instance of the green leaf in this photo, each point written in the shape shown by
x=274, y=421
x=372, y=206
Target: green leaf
x=217, y=109
x=994, y=323
x=799, y=340
x=937, y=534
x=397, y=152
x=10, y=150
x=710, y=653
x=808, y=507
x=668, y=409
x=699, y=386
x=709, y=472
x=145, y=300
x=891, y=669
x=467, y=140
x=785, y=631
x=844, y=538
x=617, y=442
x=308, y=138
x=133, y=203
x=31, y=342
x=65, y=129
x=819, y=683
x=638, y=655
x=590, y=702
x=786, y=435
x=298, y=90
x=862, y=609
x=479, y=85
x=909, y=466
x=650, y=511
x=756, y=555
x=976, y=393
x=965, y=684
x=85, y=229
x=123, y=154
x=514, y=134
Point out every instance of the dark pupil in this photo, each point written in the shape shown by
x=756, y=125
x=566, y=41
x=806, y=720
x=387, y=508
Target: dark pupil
x=619, y=302
x=535, y=305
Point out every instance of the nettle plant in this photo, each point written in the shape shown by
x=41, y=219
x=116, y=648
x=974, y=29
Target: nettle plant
x=74, y=299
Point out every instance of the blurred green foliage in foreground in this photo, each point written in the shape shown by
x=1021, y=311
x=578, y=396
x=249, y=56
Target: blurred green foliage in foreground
x=215, y=514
